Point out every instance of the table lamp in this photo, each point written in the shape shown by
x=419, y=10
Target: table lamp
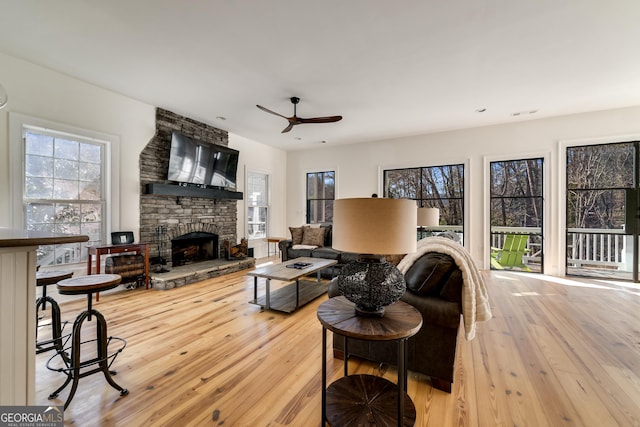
x=373, y=227
x=428, y=217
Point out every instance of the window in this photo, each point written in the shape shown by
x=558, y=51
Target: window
x=59, y=185
x=439, y=187
x=320, y=196
x=257, y=204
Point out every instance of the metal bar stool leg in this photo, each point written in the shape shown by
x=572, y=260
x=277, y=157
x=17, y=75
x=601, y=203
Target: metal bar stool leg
x=56, y=327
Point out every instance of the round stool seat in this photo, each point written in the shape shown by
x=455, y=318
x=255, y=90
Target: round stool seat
x=44, y=278
x=88, y=284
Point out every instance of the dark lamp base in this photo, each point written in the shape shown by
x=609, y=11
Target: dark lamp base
x=371, y=285
x=363, y=312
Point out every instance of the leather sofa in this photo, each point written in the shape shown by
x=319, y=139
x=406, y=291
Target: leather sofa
x=289, y=250
x=434, y=287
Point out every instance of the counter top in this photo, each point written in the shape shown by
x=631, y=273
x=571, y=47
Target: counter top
x=11, y=237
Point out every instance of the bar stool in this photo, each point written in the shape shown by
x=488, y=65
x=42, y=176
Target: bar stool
x=43, y=279
x=73, y=367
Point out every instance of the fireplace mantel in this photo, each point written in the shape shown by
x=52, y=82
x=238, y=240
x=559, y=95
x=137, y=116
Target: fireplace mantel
x=191, y=191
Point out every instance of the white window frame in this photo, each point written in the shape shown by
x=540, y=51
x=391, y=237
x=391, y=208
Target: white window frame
x=267, y=206
x=18, y=123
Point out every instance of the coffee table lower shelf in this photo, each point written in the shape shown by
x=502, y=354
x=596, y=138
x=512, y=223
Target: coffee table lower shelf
x=366, y=400
x=284, y=299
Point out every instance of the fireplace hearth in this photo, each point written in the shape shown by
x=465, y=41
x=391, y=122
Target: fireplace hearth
x=194, y=247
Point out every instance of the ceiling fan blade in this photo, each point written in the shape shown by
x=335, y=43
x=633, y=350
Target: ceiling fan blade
x=329, y=119
x=295, y=120
x=272, y=112
x=288, y=128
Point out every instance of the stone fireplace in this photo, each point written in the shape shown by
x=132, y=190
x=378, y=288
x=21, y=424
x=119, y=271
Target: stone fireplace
x=207, y=221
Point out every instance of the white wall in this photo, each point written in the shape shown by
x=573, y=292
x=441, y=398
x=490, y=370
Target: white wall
x=358, y=167
x=257, y=157
x=39, y=92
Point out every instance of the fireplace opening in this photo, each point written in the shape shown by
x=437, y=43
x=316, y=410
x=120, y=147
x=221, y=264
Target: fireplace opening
x=194, y=247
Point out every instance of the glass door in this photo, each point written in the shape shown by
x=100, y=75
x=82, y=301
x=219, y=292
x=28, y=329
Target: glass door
x=516, y=215
x=602, y=211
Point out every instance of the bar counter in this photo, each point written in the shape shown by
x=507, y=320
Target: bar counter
x=18, y=311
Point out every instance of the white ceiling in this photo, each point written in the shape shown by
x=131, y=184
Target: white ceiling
x=391, y=68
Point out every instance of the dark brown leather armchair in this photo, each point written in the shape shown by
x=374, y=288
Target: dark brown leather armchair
x=434, y=287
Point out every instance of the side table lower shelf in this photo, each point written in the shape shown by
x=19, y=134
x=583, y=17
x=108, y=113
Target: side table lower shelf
x=366, y=400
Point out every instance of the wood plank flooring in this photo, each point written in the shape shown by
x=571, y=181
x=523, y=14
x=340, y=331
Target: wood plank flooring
x=558, y=352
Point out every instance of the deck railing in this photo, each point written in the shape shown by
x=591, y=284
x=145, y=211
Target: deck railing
x=586, y=247
x=595, y=247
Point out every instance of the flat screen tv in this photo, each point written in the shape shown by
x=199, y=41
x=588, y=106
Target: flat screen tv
x=198, y=162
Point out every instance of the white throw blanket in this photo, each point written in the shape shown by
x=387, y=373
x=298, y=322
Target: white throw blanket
x=475, y=302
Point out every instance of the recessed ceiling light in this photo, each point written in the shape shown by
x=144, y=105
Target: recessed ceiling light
x=481, y=110
x=297, y=138
x=524, y=113
x=221, y=118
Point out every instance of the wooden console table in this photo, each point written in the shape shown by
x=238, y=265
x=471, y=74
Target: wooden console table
x=363, y=399
x=139, y=248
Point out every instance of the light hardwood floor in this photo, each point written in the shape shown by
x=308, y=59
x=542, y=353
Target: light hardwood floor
x=557, y=352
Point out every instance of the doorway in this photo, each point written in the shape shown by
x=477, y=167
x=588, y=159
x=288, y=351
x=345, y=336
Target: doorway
x=516, y=215
x=602, y=199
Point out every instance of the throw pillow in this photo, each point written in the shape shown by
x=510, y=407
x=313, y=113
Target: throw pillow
x=328, y=234
x=428, y=273
x=452, y=289
x=296, y=234
x=313, y=236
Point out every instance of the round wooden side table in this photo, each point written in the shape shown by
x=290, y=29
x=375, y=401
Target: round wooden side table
x=367, y=399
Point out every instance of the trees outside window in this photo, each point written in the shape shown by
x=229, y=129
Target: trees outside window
x=597, y=179
x=63, y=191
x=257, y=205
x=320, y=196
x=439, y=187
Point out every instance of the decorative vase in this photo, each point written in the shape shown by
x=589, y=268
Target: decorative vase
x=371, y=285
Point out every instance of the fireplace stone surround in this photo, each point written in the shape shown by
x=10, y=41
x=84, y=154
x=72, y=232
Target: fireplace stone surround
x=181, y=215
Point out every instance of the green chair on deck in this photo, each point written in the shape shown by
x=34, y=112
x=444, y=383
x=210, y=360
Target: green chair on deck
x=513, y=249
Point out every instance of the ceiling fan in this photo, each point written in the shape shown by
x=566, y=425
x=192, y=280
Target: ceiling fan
x=295, y=120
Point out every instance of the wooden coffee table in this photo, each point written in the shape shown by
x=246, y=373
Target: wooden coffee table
x=289, y=298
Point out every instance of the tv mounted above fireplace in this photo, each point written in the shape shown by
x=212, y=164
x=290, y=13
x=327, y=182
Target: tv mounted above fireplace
x=197, y=162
